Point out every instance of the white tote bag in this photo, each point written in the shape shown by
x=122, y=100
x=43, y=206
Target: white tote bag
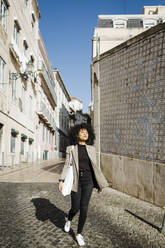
x=68, y=183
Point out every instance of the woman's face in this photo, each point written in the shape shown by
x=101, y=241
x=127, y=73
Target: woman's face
x=83, y=135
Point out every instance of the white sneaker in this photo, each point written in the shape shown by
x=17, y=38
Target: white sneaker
x=80, y=240
x=67, y=226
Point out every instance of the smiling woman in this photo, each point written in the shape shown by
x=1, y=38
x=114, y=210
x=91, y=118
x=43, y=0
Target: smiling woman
x=86, y=175
x=81, y=130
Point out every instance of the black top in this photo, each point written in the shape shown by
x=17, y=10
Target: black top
x=84, y=161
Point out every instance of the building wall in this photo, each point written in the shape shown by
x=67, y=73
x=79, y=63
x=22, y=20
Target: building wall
x=154, y=10
x=76, y=104
x=80, y=118
x=17, y=113
x=62, y=115
x=131, y=78
x=107, y=38
x=112, y=30
x=46, y=105
x=31, y=109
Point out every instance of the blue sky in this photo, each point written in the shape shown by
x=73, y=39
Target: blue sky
x=67, y=28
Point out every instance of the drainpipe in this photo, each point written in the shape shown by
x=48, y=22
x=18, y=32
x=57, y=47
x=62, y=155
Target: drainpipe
x=99, y=111
x=98, y=57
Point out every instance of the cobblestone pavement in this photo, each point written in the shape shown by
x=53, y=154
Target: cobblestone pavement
x=32, y=215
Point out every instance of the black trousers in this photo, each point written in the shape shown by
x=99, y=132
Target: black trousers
x=80, y=200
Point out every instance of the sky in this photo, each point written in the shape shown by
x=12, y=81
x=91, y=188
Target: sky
x=67, y=27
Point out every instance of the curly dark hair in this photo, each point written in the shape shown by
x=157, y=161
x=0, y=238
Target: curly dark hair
x=73, y=133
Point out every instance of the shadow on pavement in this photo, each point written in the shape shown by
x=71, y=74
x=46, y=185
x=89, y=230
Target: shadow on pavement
x=145, y=221
x=45, y=210
x=56, y=168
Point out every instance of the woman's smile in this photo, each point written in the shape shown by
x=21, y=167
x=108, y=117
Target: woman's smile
x=83, y=134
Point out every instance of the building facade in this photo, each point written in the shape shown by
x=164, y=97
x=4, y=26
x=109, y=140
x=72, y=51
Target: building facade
x=75, y=104
x=62, y=115
x=46, y=106
x=112, y=30
x=28, y=97
x=76, y=114
x=18, y=51
x=128, y=92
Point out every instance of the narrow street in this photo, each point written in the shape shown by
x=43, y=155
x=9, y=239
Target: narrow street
x=33, y=214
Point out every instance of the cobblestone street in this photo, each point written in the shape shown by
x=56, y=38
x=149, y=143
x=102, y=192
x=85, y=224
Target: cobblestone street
x=32, y=215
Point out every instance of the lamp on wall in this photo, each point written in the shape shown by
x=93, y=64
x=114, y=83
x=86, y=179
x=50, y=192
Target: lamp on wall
x=25, y=75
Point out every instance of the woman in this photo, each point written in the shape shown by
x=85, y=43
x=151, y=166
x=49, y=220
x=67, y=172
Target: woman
x=86, y=172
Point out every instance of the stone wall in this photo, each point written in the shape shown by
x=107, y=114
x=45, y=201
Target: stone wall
x=139, y=178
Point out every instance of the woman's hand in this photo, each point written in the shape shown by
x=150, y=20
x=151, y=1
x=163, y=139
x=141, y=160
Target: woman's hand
x=99, y=191
x=60, y=186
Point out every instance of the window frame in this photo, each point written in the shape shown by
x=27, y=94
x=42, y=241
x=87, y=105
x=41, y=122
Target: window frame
x=12, y=143
x=149, y=22
x=30, y=106
x=22, y=147
x=14, y=88
x=2, y=73
x=16, y=31
x=23, y=97
x=26, y=3
x=25, y=47
x=117, y=23
x=3, y=13
x=33, y=21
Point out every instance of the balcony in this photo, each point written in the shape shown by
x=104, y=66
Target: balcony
x=49, y=83
x=46, y=116
x=15, y=51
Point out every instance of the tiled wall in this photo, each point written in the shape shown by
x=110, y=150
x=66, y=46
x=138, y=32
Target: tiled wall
x=132, y=99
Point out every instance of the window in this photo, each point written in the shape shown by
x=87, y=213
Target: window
x=23, y=138
x=55, y=138
x=22, y=146
x=2, y=73
x=51, y=138
x=12, y=144
x=17, y=28
x=120, y=23
x=148, y=23
x=14, y=89
x=25, y=47
x=23, y=98
x=33, y=21
x=43, y=133
x=47, y=135
x=3, y=13
x=30, y=106
x=25, y=3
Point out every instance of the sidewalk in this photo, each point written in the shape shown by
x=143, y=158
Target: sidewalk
x=38, y=171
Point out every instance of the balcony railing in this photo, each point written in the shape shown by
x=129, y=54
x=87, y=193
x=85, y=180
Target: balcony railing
x=46, y=115
x=49, y=82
